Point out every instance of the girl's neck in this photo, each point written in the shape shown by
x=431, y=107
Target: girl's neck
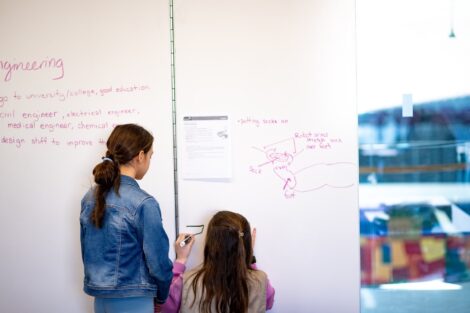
x=127, y=170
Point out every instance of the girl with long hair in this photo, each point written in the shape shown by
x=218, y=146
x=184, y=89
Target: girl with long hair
x=124, y=245
x=227, y=281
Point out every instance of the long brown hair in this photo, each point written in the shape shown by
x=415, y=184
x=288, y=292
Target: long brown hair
x=228, y=253
x=125, y=142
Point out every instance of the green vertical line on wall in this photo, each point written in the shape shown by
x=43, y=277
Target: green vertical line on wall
x=173, y=108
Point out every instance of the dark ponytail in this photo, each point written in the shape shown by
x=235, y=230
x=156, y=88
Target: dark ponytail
x=106, y=176
x=125, y=142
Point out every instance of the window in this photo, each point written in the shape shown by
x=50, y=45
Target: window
x=414, y=154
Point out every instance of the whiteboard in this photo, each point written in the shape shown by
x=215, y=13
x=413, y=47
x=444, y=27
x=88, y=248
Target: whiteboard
x=284, y=74
x=98, y=63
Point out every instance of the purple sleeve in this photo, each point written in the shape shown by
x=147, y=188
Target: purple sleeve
x=269, y=291
x=173, y=302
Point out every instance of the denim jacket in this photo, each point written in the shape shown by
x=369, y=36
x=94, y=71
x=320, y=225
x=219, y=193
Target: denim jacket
x=128, y=256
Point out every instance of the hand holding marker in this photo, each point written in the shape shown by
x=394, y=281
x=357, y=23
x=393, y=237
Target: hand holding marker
x=187, y=238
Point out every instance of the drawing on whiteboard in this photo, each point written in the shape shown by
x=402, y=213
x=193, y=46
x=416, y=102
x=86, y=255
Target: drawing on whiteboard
x=290, y=160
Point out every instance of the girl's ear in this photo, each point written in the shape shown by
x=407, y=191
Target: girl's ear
x=141, y=156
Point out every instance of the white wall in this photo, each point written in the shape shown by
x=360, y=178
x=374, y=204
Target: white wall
x=290, y=61
x=102, y=44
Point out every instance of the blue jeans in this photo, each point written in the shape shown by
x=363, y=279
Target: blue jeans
x=124, y=305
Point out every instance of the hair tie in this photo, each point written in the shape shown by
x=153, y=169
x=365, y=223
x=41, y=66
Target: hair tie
x=107, y=159
x=240, y=233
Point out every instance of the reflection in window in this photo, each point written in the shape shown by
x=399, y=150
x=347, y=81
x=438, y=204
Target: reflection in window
x=414, y=170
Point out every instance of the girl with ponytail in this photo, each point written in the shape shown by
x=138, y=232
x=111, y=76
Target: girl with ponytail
x=124, y=245
x=227, y=281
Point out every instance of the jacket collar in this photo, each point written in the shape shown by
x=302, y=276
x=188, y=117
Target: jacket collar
x=129, y=181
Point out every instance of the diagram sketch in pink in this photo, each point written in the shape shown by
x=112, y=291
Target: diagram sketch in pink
x=300, y=175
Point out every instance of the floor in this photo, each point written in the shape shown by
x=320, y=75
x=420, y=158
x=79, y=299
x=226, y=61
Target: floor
x=376, y=300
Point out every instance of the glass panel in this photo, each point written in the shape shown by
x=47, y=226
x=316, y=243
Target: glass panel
x=414, y=151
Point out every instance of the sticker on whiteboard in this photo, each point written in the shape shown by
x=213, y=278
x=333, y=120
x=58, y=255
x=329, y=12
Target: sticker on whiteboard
x=407, y=105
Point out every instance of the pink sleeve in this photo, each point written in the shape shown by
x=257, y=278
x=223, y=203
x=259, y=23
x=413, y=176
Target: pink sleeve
x=269, y=291
x=269, y=295
x=173, y=302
